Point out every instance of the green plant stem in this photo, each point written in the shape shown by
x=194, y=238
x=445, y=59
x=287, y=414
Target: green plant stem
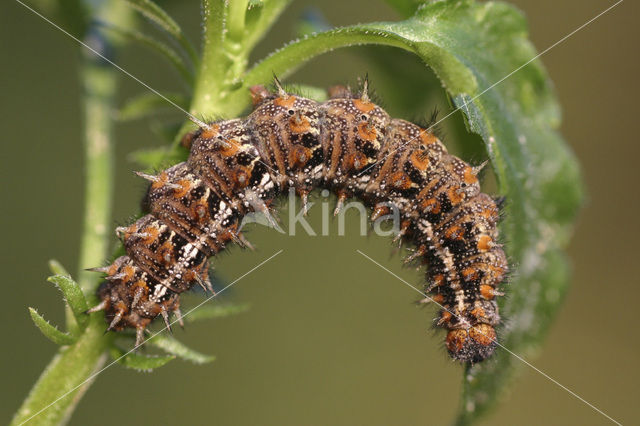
x=211, y=65
x=270, y=11
x=68, y=376
x=236, y=19
x=65, y=380
x=227, y=44
x=100, y=85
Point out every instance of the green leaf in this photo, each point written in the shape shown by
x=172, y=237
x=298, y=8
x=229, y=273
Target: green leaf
x=471, y=46
x=149, y=104
x=50, y=331
x=72, y=326
x=155, y=158
x=174, y=347
x=405, y=7
x=312, y=92
x=158, y=16
x=137, y=361
x=211, y=310
x=409, y=88
x=56, y=268
x=157, y=46
x=74, y=298
x=260, y=17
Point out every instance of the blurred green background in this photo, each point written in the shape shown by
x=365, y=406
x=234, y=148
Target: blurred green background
x=330, y=338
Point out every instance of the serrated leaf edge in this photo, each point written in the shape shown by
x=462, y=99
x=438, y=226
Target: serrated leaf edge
x=49, y=330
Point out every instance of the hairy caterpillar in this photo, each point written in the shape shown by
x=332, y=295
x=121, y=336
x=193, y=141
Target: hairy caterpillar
x=348, y=145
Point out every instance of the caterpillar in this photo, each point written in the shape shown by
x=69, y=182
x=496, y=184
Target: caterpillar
x=348, y=145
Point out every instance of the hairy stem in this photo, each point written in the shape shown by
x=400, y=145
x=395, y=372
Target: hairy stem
x=227, y=42
x=237, y=15
x=65, y=380
x=69, y=374
x=99, y=82
x=212, y=66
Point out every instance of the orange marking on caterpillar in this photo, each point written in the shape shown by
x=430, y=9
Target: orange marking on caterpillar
x=285, y=102
x=210, y=132
x=299, y=155
x=470, y=274
x=484, y=243
x=400, y=180
x=483, y=334
x=455, y=195
x=367, y=131
x=431, y=205
x=469, y=177
x=427, y=137
x=454, y=233
x=152, y=234
x=185, y=187
x=420, y=160
x=228, y=148
x=438, y=298
x=363, y=106
x=161, y=181
x=299, y=124
x=129, y=271
x=487, y=292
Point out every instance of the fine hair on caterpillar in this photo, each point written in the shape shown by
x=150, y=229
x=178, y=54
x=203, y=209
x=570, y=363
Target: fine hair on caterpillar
x=348, y=146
